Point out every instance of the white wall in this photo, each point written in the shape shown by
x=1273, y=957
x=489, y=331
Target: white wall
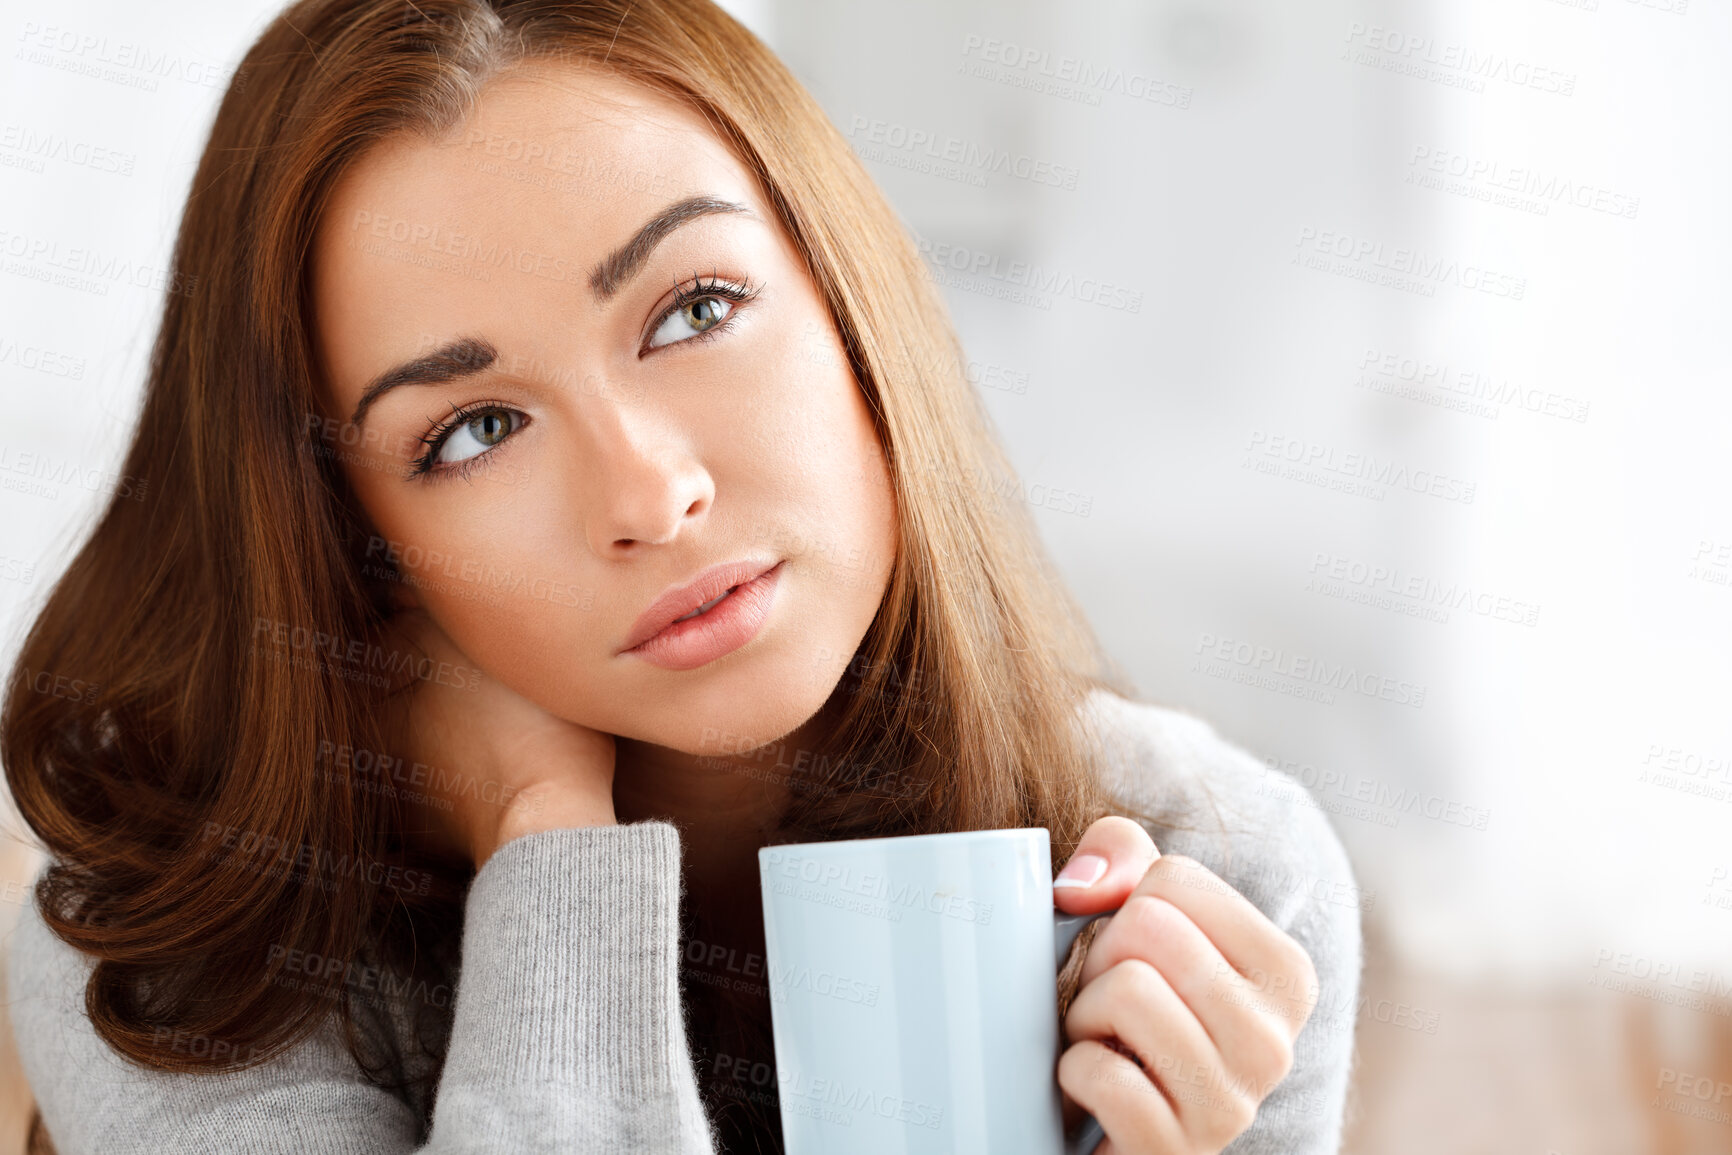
x=1299, y=122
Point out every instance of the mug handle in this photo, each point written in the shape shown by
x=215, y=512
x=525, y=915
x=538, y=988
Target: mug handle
x=1065, y=928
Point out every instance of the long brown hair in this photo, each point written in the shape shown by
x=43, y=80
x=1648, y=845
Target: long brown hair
x=200, y=754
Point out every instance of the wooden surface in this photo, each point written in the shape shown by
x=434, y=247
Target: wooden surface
x=1569, y=1070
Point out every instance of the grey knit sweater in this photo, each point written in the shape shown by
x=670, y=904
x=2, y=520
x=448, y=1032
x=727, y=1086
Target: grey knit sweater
x=567, y=1031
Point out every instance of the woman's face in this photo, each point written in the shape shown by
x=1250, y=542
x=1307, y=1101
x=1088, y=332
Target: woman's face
x=607, y=402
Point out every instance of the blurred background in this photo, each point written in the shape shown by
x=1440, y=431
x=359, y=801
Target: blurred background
x=1365, y=366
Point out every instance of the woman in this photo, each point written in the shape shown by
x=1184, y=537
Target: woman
x=565, y=485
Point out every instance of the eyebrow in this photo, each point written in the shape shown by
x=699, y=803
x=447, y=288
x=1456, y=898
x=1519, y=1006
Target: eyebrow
x=467, y=356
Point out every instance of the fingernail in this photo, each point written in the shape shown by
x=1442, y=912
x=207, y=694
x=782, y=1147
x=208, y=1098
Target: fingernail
x=1082, y=871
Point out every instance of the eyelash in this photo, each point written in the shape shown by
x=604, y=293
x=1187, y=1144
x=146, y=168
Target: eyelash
x=434, y=439
x=715, y=287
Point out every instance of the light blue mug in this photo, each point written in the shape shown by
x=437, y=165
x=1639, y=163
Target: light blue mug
x=913, y=994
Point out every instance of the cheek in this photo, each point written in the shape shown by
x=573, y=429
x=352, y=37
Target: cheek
x=809, y=429
x=844, y=516
x=532, y=626
x=448, y=551
x=493, y=572
x=829, y=457
x=857, y=475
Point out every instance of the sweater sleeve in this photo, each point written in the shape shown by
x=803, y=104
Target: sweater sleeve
x=567, y=1031
x=1260, y=833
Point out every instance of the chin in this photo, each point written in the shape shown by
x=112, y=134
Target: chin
x=744, y=722
x=733, y=715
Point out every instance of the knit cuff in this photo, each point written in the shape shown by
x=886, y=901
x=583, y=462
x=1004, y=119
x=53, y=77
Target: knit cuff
x=570, y=964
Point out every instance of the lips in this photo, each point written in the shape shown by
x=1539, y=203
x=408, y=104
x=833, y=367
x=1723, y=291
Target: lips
x=708, y=587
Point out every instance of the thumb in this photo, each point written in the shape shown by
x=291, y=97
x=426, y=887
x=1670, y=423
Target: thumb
x=1109, y=861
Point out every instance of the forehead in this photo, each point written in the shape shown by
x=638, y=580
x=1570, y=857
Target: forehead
x=553, y=167
x=496, y=224
x=548, y=134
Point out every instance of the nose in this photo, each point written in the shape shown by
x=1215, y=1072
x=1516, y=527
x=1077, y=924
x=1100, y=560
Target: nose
x=645, y=483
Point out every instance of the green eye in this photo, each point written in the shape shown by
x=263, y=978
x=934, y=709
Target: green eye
x=705, y=312
x=466, y=435
x=691, y=318
x=700, y=308
x=490, y=428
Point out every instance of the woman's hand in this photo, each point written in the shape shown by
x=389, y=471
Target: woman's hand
x=1189, y=1002
x=497, y=766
